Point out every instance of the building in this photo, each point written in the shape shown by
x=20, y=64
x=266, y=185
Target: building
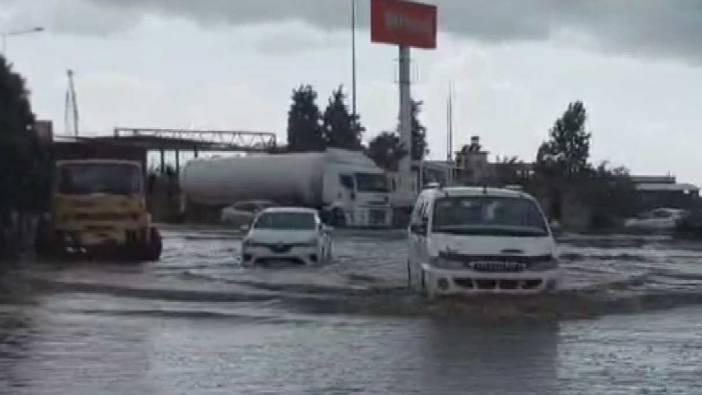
x=665, y=191
x=472, y=164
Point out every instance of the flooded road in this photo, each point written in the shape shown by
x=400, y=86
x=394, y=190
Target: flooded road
x=627, y=321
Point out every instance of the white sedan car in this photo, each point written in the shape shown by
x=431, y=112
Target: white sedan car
x=657, y=220
x=286, y=235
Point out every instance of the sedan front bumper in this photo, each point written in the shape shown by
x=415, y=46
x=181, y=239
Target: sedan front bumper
x=264, y=255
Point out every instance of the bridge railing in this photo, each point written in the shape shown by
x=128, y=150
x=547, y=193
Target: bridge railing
x=224, y=138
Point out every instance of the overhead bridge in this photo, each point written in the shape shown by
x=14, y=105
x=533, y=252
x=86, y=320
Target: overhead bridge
x=137, y=142
x=196, y=140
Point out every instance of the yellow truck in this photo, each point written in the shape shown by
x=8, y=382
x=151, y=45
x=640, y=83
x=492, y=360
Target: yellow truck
x=98, y=208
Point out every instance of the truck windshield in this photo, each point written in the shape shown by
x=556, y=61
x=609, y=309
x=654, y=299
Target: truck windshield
x=367, y=182
x=286, y=221
x=497, y=216
x=109, y=178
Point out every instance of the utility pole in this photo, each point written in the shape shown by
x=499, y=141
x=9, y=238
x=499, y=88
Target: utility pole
x=71, y=107
x=405, y=165
x=353, y=57
x=449, y=125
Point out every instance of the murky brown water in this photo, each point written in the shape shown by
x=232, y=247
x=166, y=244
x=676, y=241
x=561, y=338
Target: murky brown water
x=629, y=320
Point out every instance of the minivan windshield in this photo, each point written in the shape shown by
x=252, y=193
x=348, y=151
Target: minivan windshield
x=92, y=178
x=488, y=215
x=286, y=221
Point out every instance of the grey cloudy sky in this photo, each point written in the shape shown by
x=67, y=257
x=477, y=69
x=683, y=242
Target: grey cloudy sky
x=515, y=65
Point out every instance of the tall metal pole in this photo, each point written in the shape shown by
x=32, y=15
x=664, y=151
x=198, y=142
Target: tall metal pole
x=406, y=194
x=449, y=125
x=353, y=57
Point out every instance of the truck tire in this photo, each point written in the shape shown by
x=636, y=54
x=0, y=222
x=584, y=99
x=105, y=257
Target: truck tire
x=48, y=245
x=151, y=250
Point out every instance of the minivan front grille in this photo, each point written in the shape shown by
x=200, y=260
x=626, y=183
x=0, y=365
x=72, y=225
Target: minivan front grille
x=487, y=263
x=497, y=266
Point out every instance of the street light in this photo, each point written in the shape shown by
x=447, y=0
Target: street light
x=5, y=35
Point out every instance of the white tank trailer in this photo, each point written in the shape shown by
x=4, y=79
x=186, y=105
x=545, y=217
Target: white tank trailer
x=348, y=188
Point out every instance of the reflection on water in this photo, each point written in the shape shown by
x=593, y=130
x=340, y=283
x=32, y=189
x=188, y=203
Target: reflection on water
x=199, y=323
x=499, y=358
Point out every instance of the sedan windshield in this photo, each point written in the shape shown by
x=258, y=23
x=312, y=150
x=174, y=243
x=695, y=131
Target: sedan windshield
x=488, y=216
x=286, y=221
x=109, y=178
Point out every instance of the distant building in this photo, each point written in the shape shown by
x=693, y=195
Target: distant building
x=665, y=191
x=472, y=164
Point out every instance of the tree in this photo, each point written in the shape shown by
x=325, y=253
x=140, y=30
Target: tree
x=386, y=150
x=19, y=146
x=567, y=151
x=341, y=129
x=419, y=133
x=24, y=165
x=304, y=125
x=510, y=170
x=610, y=194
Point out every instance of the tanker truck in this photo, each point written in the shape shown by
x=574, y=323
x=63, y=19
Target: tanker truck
x=346, y=186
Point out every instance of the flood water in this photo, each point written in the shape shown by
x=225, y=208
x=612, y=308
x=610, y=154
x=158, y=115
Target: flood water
x=628, y=320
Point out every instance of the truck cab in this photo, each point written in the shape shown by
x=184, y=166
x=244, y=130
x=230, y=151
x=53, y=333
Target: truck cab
x=98, y=207
x=359, y=198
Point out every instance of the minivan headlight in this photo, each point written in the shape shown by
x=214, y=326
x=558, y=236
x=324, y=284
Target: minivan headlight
x=444, y=263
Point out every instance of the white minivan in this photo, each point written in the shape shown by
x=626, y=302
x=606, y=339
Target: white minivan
x=472, y=240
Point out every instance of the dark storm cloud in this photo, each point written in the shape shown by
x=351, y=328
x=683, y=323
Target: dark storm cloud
x=636, y=27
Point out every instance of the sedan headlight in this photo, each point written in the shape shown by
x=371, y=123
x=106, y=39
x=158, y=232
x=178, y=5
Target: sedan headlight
x=544, y=265
x=444, y=263
x=247, y=243
x=308, y=243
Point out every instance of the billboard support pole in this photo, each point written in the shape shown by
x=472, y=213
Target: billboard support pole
x=405, y=165
x=353, y=56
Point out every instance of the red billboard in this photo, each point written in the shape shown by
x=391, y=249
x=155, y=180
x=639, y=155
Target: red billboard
x=403, y=23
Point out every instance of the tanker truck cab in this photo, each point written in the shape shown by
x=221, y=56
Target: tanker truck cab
x=466, y=240
x=359, y=197
x=98, y=207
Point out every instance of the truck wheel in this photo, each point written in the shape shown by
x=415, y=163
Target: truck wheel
x=151, y=251
x=49, y=246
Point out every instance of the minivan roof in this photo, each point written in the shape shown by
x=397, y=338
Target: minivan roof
x=475, y=191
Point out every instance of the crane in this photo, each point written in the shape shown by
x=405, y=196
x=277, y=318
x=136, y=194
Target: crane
x=71, y=109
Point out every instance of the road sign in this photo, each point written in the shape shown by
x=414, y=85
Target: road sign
x=403, y=23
